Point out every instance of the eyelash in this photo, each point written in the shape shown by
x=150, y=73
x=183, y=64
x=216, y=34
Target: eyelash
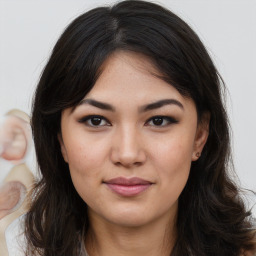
x=167, y=119
x=89, y=118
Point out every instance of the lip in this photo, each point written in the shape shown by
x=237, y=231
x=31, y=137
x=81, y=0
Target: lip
x=128, y=186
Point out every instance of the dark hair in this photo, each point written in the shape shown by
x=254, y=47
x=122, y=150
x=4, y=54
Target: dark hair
x=212, y=219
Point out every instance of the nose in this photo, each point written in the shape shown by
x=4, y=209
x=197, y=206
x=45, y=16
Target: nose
x=127, y=148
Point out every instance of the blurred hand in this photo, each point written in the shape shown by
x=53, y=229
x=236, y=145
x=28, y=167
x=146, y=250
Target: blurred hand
x=12, y=195
x=13, y=138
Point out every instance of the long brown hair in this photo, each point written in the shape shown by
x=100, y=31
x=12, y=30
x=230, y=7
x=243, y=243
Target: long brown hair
x=212, y=218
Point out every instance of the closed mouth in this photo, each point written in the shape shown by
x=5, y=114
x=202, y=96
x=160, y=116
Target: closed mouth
x=128, y=186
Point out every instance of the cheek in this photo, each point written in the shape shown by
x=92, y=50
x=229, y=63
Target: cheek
x=86, y=159
x=172, y=162
x=173, y=151
x=84, y=167
x=84, y=153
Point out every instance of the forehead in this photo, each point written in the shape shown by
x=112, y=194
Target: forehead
x=131, y=75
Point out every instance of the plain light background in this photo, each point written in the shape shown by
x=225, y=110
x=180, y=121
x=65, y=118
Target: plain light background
x=30, y=28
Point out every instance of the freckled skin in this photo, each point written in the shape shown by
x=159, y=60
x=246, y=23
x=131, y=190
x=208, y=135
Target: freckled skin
x=129, y=146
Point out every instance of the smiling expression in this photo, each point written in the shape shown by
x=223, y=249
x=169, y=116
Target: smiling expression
x=130, y=143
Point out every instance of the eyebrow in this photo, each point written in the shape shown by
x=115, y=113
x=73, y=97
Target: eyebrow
x=148, y=107
x=161, y=103
x=98, y=104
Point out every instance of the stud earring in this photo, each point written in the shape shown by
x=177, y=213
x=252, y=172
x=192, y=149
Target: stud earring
x=198, y=154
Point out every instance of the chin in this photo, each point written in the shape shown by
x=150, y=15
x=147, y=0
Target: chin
x=130, y=221
x=129, y=216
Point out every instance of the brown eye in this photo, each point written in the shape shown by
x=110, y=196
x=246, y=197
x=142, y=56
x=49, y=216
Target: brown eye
x=161, y=121
x=95, y=121
x=157, y=121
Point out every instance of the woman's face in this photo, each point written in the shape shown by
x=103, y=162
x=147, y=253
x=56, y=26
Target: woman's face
x=130, y=143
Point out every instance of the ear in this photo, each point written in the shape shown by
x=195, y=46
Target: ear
x=201, y=136
x=63, y=148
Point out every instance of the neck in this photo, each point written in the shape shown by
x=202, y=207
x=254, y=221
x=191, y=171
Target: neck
x=154, y=239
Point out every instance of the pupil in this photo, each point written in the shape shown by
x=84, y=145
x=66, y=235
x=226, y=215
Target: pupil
x=158, y=121
x=96, y=120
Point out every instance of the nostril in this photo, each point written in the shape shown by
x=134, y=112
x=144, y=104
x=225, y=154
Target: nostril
x=128, y=158
x=128, y=164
